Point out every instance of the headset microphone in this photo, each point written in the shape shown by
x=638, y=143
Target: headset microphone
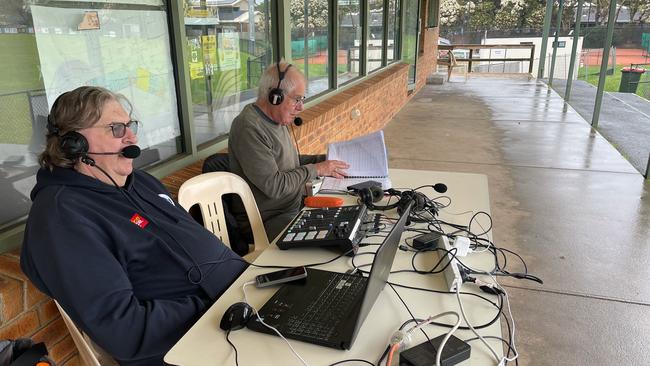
x=133, y=151
x=297, y=121
x=440, y=187
x=129, y=152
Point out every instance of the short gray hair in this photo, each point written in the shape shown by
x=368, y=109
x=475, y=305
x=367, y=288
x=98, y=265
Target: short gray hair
x=271, y=75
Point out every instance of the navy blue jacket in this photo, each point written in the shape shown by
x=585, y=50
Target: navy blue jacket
x=129, y=265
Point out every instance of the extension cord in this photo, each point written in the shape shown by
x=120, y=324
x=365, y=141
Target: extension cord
x=451, y=272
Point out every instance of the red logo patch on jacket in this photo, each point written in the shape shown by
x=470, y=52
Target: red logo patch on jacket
x=139, y=220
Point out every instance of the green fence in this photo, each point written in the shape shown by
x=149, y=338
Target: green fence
x=313, y=45
x=645, y=42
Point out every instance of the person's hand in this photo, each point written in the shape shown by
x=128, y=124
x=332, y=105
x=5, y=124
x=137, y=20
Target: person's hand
x=332, y=168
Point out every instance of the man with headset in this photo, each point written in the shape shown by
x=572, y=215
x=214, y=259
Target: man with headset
x=262, y=152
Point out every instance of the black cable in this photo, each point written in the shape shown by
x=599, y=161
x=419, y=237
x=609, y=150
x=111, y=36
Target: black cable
x=233, y=347
x=407, y=309
x=383, y=355
x=198, y=266
x=352, y=360
x=499, y=306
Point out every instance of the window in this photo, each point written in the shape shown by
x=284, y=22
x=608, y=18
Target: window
x=349, y=42
x=122, y=46
x=410, y=40
x=392, y=53
x=375, y=34
x=310, y=42
x=433, y=13
x=228, y=53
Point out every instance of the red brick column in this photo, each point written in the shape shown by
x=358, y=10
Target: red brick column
x=26, y=312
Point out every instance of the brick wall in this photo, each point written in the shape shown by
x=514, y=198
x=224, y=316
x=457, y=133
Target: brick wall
x=377, y=99
x=26, y=312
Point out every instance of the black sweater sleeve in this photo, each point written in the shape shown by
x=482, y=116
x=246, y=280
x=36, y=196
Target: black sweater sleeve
x=93, y=287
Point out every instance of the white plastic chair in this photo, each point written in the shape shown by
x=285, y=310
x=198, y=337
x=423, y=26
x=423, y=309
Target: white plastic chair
x=207, y=189
x=89, y=352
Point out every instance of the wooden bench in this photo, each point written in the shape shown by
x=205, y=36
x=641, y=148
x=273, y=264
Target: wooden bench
x=174, y=181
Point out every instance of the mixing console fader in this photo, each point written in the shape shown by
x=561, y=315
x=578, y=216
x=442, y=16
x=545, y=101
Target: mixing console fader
x=333, y=226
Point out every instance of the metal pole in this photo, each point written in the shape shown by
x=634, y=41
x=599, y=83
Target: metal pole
x=306, y=41
x=547, y=28
x=611, y=19
x=556, y=40
x=574, y=49
x=251, y=27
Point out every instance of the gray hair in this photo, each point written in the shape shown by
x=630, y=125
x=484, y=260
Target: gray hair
x=270, y=77
x=72, y=111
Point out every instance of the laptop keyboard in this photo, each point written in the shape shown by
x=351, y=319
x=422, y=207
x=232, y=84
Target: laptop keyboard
x=333, y=304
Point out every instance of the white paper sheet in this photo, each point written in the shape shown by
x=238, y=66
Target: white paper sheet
x=368, y=160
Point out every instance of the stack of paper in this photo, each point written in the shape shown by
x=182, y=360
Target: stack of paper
x=367, y=158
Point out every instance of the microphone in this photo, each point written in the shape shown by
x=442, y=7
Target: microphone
x=129, y=152
x=297, y=121
x=440, y=187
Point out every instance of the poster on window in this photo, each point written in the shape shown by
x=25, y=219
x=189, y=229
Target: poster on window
x=126, y=52
x=229, y=51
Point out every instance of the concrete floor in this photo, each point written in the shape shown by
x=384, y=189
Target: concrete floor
x=561, y=196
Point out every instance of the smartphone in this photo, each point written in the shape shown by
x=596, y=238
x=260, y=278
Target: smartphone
x=285, y=275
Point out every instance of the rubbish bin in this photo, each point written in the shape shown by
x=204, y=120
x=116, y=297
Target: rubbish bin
x=630, y=77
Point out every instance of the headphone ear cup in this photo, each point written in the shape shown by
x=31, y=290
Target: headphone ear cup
x=276, y=96
x=377, y=193
x=365, y=196
x=419, y=201
x=73, y=144
x=369, y=195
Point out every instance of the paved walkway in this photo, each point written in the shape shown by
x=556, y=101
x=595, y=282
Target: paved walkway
x=561, y=196
x=624, y=119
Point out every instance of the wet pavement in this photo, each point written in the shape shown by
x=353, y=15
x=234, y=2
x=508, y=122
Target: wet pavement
x=624, y=119
x=561, y=196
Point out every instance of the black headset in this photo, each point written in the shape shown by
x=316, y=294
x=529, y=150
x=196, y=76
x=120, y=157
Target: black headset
x=276, y=95
x=370, y=195
x=73, y=144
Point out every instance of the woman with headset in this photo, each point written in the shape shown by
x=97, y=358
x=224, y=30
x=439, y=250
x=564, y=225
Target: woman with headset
x=129, y=265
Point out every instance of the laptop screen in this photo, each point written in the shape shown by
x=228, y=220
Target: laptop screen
x=381, y=267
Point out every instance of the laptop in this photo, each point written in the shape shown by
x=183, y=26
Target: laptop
x=328, y=308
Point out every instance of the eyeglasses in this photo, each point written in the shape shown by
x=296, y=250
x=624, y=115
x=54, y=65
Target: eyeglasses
x=119, y=128
x=299, y=100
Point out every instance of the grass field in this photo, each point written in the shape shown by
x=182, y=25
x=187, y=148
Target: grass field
x=20, y=72
x=613, y=82
x=20, y=63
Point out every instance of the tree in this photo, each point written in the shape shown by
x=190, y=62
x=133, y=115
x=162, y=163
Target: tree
x=316, y=17
x=449, y=12
x=483, y=15
x=16, y=13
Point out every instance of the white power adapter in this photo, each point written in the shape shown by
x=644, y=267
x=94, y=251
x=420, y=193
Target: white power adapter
x=461, y=243
x=451, y=272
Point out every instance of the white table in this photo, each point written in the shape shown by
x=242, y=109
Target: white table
x=205, y=343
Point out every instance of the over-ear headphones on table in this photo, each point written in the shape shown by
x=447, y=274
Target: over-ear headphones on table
x=370, y=195
x=276, y=95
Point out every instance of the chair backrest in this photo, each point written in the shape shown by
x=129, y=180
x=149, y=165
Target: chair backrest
x=207, y=189
x=89, y=352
